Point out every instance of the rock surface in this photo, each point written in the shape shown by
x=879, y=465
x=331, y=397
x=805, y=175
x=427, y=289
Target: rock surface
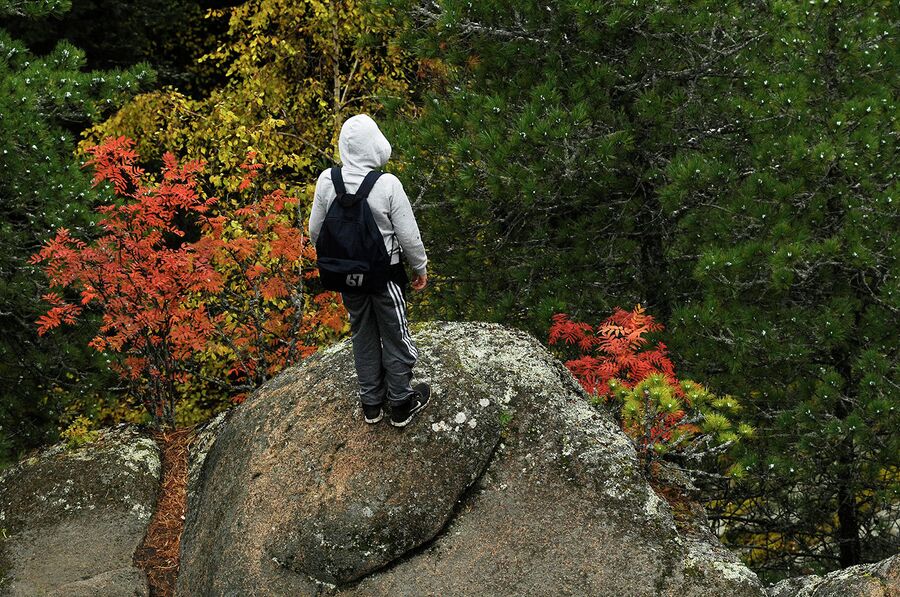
x=881, y=579
x=509, y=483
x=72, y=519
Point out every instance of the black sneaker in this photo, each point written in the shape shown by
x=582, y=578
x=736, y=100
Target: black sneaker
x=372, y=413
x=403, y=413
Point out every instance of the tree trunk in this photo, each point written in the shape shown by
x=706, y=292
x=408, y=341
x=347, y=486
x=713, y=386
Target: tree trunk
x=849, y=545
x=849, y=548
x=336, y=70
x=654, y=269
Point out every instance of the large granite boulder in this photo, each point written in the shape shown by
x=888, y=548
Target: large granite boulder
x=509, y=483
x=71, y=520
x=881, y=579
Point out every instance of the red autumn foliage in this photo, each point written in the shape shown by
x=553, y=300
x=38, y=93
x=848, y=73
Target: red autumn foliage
x=613, y=350
x=165, y=301
x=660, y=413
x=271, y=311
x=616, y=363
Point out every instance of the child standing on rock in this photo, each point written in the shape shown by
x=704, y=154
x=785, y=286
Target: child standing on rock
x=362, y=223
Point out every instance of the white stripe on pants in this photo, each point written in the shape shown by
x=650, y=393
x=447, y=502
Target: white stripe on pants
x=383, y=349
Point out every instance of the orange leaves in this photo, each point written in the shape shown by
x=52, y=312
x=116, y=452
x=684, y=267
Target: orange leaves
x=565, y=330
x=611, y=350
x=288, y=243
x=134, y=366
x=251, y=170
x=60, y=313
x=255, y=271
x=330, y=312
x=236, y=296
x=270, y=319
x=243, y=247
x=186, y=173
x=624, y=330
x=114, y=160
x=88, y=295
x=273, y=288
x=660, y=413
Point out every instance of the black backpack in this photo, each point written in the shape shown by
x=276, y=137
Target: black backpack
x=350, y=248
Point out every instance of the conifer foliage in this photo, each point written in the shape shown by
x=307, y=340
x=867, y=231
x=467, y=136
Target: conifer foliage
x=45, y=100
x=790, y=205
x=730, y=165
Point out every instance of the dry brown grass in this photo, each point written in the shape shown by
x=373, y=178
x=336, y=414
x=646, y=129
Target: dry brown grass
x=158, y=554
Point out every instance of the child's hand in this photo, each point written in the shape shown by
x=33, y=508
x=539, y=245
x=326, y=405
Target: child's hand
x=419, y=282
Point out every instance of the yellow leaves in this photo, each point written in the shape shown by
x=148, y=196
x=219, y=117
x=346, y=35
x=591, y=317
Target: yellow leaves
x=277, y=98
x=156, y=120
x=227, y=116
x=80, y=431
x=264, y=103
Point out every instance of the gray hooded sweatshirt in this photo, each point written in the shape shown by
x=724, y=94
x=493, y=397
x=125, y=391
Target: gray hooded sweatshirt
x=363, y=148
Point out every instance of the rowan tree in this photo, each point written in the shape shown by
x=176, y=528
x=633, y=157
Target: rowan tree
x=270, y=310
x=229, y=304
x=663, y=415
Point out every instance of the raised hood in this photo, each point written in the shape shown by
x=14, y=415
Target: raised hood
x=362, y=145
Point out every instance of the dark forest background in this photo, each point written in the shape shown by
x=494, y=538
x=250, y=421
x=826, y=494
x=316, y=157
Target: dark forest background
x=731, y=166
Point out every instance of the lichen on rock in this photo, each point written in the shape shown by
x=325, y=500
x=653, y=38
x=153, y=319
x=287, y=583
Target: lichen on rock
x=72, y=519
x=541, y=495
x=880, y=579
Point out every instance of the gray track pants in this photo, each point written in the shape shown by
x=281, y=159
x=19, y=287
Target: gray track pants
x=382, y=346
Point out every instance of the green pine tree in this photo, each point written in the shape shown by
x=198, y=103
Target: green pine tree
x=729, y=165
x=44, y=102
x=791, y=204
x=540, y=144
x=168, y=34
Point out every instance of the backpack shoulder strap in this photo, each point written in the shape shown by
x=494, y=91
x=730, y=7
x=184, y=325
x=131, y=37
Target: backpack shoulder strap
x=338, y=181
x=366, y=185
